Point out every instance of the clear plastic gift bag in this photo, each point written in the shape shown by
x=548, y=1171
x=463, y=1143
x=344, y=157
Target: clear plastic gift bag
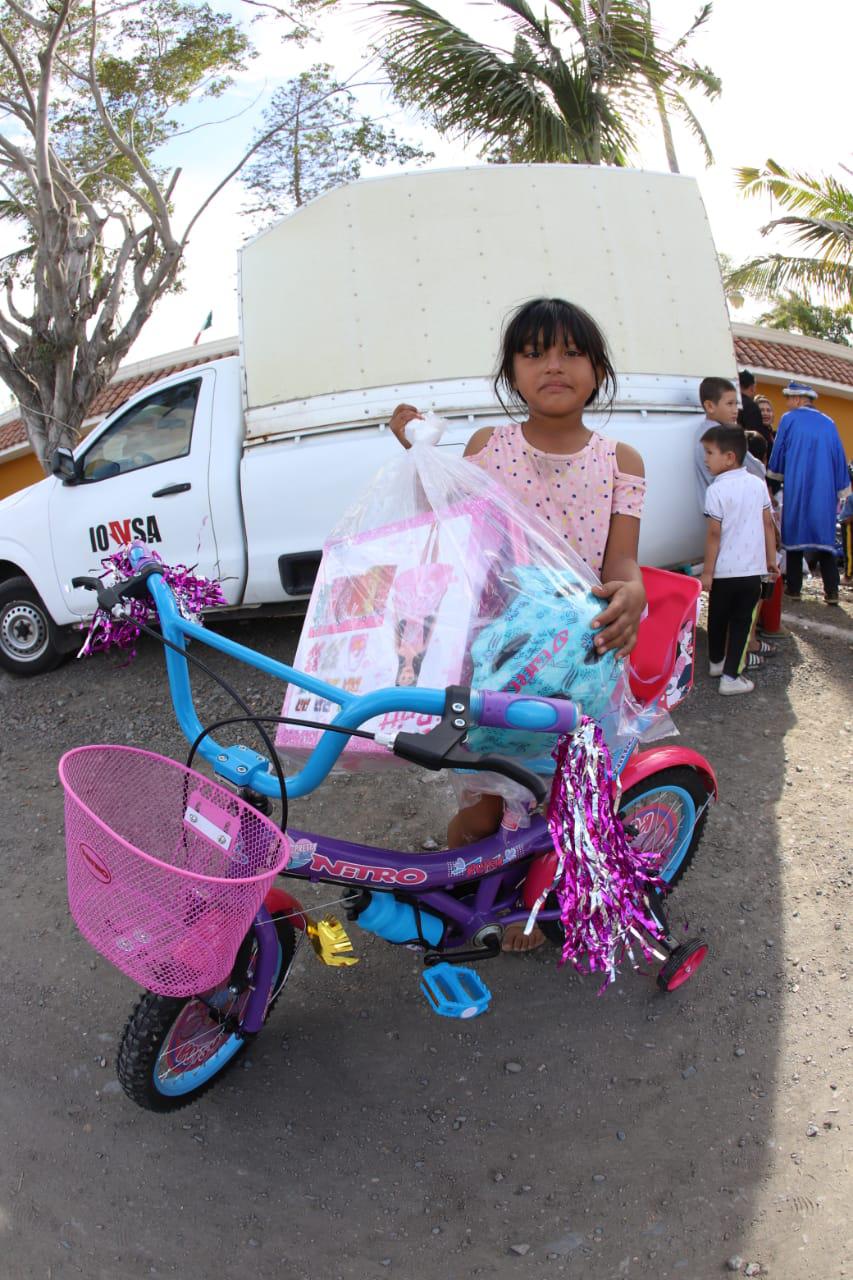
x=437, y=576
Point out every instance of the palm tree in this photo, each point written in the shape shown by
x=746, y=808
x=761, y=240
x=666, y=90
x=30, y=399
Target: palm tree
x=735, y=297
x=821, y=218
x=797, y=314
x=681, y=73
x=571, y=88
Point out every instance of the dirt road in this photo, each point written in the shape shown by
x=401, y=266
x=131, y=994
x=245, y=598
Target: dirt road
x=632, y=1135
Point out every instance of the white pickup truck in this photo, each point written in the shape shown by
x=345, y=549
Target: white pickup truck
x=381, y=291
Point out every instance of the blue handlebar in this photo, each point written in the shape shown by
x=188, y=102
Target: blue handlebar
x=499, y=709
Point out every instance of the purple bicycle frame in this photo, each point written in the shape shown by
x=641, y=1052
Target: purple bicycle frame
x=492, y=869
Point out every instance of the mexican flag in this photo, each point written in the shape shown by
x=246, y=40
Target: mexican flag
x=208, y=322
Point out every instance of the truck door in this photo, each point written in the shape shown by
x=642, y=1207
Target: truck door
x=144, y=476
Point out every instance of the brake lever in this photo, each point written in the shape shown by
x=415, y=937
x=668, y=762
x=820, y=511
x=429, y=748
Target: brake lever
x=108, y=597
x=440, y=748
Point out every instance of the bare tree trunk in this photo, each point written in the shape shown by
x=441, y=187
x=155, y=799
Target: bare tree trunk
x=89, y=290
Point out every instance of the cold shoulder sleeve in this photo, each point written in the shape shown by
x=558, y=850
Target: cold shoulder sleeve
x=629, y=493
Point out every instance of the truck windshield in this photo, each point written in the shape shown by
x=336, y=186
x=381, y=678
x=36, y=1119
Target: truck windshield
x=154, y=430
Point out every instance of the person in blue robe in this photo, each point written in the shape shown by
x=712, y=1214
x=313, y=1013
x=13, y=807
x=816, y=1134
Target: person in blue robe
x=808, y=457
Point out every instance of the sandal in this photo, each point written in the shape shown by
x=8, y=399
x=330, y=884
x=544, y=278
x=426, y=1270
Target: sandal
x=753, y=660
x=766, y=649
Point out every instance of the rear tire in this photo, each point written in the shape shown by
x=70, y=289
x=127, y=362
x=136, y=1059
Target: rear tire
x=665, y=808
x=29, y=638
x=173, y=1050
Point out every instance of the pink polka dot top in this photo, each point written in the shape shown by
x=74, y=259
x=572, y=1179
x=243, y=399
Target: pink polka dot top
x=575, y=492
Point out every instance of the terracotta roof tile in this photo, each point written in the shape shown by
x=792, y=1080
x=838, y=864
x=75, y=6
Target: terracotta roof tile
x=112, y=396
x=798, y=361
x=115, y=394
x=12, y=433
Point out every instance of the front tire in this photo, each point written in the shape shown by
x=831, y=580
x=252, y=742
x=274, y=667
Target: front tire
x=29, y=638
x=173, y=1049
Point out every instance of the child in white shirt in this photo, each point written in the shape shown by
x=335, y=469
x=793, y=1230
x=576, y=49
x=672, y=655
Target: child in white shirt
x=740, y=548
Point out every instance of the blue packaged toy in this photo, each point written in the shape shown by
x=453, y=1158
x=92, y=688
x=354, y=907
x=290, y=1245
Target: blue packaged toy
x=542, y=643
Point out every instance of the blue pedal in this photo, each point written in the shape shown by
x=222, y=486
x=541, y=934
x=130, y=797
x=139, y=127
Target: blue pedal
x=455, y=992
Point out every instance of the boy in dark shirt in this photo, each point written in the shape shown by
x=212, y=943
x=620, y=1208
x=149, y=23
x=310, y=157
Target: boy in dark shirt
x=749, y=415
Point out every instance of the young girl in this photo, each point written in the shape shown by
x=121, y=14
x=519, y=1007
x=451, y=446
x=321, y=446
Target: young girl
x=554, y=364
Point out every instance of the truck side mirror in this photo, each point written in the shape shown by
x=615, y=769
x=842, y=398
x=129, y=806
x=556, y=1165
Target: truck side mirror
x=62, y=464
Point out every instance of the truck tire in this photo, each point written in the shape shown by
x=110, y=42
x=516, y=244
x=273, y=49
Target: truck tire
x=29, y=638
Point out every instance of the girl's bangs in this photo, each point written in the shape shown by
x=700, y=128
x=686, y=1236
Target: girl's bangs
x=543, y=325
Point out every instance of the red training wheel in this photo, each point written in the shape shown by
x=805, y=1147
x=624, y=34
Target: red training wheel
x=682, y=964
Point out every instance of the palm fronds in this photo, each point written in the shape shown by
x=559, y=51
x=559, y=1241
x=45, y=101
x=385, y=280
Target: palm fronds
x=766, y=276
x=570, y=87
x=820, y=218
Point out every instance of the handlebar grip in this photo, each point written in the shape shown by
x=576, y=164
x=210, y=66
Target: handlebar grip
x=521, y=711
x=141, y=557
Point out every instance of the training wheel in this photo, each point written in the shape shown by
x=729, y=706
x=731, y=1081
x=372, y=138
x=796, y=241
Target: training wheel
x=682, y=964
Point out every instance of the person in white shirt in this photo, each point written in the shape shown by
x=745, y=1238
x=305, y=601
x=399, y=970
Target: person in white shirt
x=719, y=400
x=740, y=548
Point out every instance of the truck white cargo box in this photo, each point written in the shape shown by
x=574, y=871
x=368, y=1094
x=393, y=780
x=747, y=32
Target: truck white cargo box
x=396, y=289
x=405, y=280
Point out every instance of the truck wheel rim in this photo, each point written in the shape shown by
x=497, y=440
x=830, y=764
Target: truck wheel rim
x=23, y=632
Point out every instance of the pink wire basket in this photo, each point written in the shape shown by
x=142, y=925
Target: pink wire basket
x=166, y=870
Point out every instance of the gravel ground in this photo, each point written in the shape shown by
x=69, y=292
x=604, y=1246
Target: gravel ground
x=632, y=1135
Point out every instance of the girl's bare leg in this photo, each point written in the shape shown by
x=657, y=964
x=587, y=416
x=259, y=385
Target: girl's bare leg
x=479, y=820
x=476, y=822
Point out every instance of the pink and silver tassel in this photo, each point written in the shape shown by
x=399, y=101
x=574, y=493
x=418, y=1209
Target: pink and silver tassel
x=193, y=594
x=601, y=882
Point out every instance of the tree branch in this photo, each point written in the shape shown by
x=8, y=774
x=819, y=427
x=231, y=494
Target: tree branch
x=20, y=74
x=41, y=24
x=161, y=216
x=20, y=161
x=13, y=375
x=282, y=124
x=16, y=315
x=42, y=114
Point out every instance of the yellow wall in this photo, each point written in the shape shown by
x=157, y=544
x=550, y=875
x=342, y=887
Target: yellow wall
x=18, y=473
x=835, y=407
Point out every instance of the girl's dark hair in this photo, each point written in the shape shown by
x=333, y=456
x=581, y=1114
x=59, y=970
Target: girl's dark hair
x=542, y=322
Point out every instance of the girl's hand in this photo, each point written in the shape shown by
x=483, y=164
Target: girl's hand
x=617, y=626
x=400, y=419
x=706, y=580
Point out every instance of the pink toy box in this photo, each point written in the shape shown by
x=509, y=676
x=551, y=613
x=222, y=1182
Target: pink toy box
x=392, y=606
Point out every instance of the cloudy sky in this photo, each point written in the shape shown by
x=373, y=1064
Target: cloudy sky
x=785, y=71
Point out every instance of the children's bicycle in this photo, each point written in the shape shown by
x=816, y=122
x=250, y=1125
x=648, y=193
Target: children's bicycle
x=171, y=876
